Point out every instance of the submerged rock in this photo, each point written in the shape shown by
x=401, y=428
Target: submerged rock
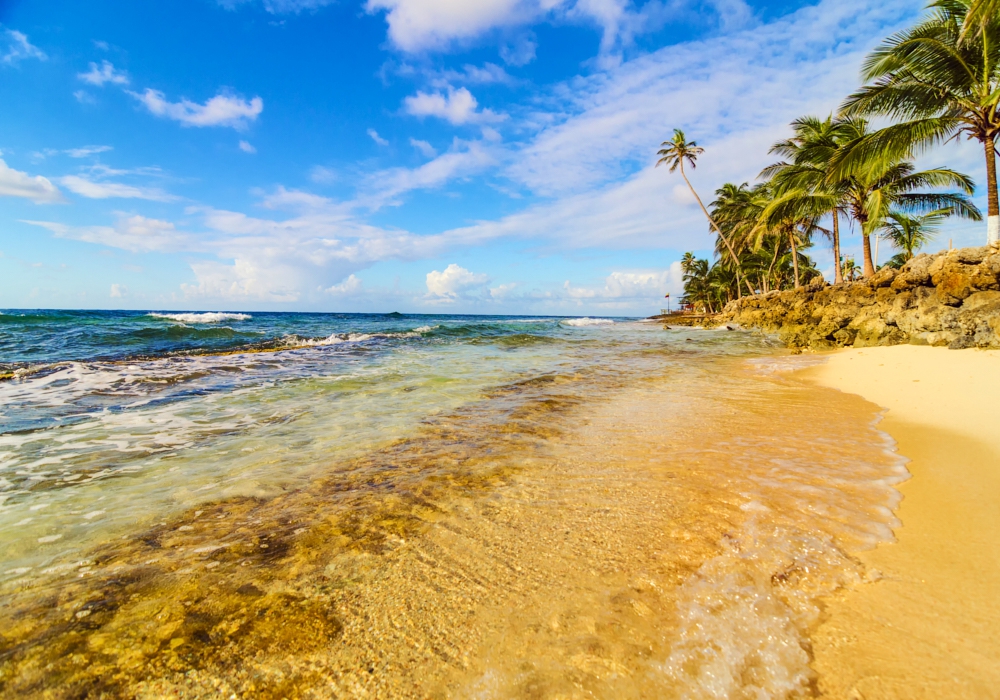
x=950, y=298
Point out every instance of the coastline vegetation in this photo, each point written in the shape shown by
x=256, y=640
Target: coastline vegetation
x=935, y=82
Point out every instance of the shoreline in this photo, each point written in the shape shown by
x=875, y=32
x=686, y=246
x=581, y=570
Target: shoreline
x=926, y=627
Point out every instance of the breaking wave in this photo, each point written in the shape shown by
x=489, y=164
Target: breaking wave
x=587, y=321
x=208, y=317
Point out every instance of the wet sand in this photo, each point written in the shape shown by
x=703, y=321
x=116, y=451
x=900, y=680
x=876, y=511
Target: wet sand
x=928, y=627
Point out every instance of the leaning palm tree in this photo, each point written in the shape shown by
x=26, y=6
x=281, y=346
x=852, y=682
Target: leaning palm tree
x=909, y=233
x=942, y=83
x=673, y=153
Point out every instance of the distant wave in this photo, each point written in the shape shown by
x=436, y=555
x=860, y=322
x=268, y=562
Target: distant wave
x=209, y=317
x=588, y=322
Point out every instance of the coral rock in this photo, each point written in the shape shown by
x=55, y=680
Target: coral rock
x=951, y=299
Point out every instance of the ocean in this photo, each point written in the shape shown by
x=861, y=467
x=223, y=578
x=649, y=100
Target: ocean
x=390, y=505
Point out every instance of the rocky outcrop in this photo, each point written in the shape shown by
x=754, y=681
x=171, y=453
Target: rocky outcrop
x=686, y=320
x=951, y=298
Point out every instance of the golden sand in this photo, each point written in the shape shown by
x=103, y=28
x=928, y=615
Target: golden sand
x=929, y=627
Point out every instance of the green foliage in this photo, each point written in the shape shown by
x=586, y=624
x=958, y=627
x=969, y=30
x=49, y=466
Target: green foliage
x=677, y=150
x=910, y=233
x=939, y=81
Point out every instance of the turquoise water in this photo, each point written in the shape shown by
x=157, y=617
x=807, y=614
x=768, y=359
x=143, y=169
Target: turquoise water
x=111, y=420
x=335, y=505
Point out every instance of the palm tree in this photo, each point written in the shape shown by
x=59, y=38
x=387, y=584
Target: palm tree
x=697, y=288
x=736, y=209
x=751, y=219
x=688, y=262
x=978, y=15
x=809, y=173
x=850, y=269
x=909, y=233
x=673, y=153
x=797, y=224
x=880, y=182
x=943, y=80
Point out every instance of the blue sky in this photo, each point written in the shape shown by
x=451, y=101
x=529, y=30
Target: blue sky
x=376, y=155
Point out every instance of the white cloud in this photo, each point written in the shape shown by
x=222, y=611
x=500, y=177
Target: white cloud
x=420, y=25
x=415, y=25
x=501, y=292
x=623, y=289
x=92, y=189
x=284, y=198
x=322, y=175
x=487, y=74
x=243, y=280
x=464, y=158
x=376, y=138
x=246, y=147
x=457, y=106
x=520, y=53
x=453, y=282
x=424, y=147
x=696, y=85
x=119, y=291
x=85, y=151
x=595, y=137
x=14, y=183
x=84, y=97
x=351, y=286
x=137, y=234
x=682, y=195
x=733, y=14
x=105, y=73
x=14, y=47
x=81, y=152
x=221, y=110
x=288, y=259
x=280, y=7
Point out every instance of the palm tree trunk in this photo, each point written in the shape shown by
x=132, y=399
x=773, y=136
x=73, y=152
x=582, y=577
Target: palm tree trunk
x=838, y=275
x=795, y=258
x=736, y=260
x=774, y=260
x=867, y=246
x=992, y=202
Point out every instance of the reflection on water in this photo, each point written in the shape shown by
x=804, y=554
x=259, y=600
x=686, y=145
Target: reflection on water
x=586, y=511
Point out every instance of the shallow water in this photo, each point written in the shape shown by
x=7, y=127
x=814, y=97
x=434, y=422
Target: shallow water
x=423, y=507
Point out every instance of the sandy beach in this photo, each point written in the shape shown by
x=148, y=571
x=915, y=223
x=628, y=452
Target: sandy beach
x=927, y=627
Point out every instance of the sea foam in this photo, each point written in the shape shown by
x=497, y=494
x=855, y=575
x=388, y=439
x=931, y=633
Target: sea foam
x=587, y=321
x=208, y=317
